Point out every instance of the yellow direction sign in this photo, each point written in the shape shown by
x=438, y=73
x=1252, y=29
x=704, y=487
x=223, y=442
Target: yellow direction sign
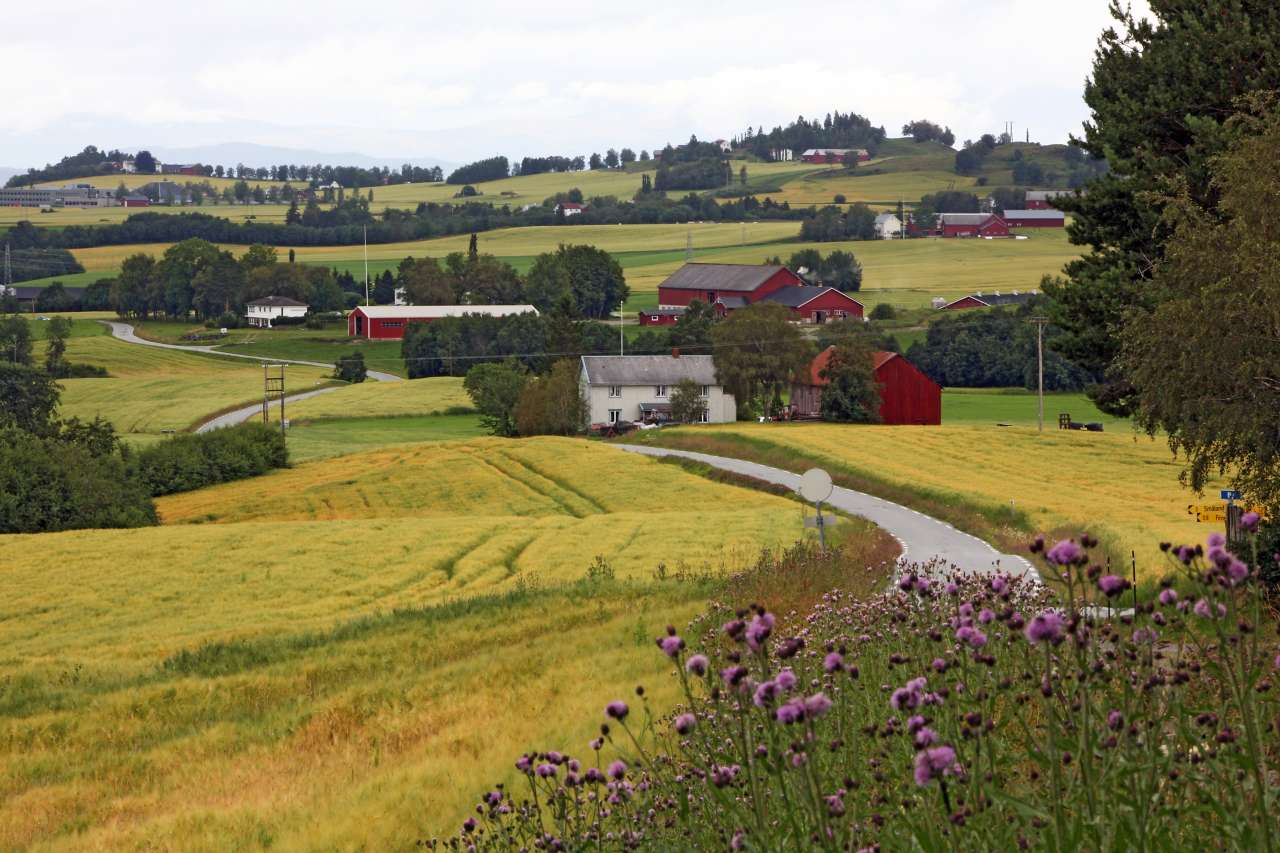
x=1217, y=506
x=1203, y=517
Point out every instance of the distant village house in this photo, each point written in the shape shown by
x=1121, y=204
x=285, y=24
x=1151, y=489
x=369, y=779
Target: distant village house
x=986, y=300
x=265, y=311
x=638, y=388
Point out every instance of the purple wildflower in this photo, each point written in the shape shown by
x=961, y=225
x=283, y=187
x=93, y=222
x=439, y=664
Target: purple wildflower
x=935, y=762
x=685, y=723
x=523, y=763
x=697, y=665
x=1115, y=721
x=1216, y=540
x=925, y=737
x=1112, y=585
x=1249, y=521
x=816, y=705
x=786, y=679
x=914, y=724
x=1237, y=571
x=986, y=617
x=1065, y=553
x=939, y=665
x=835, y=805
x=733, y=675
x=617, y=770
x=765, y=692
x=1168, y=597
x=999, y=584
x=469, y=825
x=972, y=636
x=832, y=662
x=546, y=770
x=759, y=630
x=617, y=709
x=671, y=645
x=1045, y=627
x=952, y=588
x=1202, y=609
x=791, y=712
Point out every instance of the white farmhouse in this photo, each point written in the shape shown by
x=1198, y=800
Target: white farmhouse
x=638, y=388
x=888, y=226
x=263, y=312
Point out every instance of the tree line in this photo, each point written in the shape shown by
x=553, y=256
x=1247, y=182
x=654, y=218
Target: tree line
x=835, y=130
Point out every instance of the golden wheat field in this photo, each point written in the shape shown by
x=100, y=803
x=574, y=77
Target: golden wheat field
x=384, y=399
x=1115, y=485
x=315, y=659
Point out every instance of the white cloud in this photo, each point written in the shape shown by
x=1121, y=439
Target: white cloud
x=395, y=78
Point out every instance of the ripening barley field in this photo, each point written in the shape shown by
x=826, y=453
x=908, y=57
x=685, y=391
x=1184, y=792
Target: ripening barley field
x=1120, y=487
x=384, y=399
x=318, y=663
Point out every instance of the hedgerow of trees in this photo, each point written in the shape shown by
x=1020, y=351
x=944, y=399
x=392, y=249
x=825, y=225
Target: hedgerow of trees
x=489, y=169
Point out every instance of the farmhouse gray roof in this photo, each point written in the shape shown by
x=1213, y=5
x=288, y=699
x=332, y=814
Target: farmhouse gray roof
x=648, y=369
x=964, y=218
x=1033, y=214
x=277, y=302
x=1045, y=195
x=740, y=277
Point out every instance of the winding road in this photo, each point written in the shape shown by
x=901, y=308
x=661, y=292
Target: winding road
x=922, y=537
x=125, y=332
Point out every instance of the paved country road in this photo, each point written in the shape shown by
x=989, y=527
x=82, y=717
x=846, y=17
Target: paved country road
x=922, y=537
x=124, y=332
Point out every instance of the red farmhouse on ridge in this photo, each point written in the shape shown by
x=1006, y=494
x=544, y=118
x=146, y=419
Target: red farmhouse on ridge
x=972, y=225
x=907, y=395
x=728, y=287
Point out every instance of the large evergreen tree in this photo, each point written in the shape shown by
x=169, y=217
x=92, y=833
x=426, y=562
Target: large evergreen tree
x=1160, y=92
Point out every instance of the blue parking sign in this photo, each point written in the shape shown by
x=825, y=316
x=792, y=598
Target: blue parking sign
x=1229, y=495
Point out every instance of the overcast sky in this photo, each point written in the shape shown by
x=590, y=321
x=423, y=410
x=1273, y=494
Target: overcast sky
x=461, y=81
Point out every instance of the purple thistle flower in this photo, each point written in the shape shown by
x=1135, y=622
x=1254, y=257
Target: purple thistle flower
x=523, y=763
x=925, y=737
x=835, y=805
x=1202, y=609
x=903, y=698
x=1168, y=597
x=832, y=662
x=1237, y=571
x=816, y=705
x=986, y=617
x=671, y=645
x=1115, y=720
x=1112, y=585
x=759, y=630
x=617, y=770
x=1145, y=635
x=1216, y=540
x=914, y=724
x=972, y=636
x=1065, y=553
x=952, y=589
x=685, y=723
x=734, y=628
x=939, y=665
x=697, y=665
x=764, y=694
x=733, y=675
x=469, y=825
x=934, y=762
x=617, y=709
x=786, y=680
x=1045, y=627
x=999, y=584
x=791, y=712
x=546, y=770
x=1249, y=521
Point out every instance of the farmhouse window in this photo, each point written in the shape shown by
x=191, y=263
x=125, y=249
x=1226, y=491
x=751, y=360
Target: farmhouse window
x=615, y=390
x=706, y=389
x=615, y=415
x=660, y=391
x=703, y=417
x=391, y=324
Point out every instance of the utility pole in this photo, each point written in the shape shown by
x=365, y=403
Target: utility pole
x=364, y=230
x=1040, y=321
x=620, y=336
x=8, y=273
x=688, y=246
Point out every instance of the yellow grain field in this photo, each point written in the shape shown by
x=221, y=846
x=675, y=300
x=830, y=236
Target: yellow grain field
x=1117, y=486
x=384, y=399
x=272, y=682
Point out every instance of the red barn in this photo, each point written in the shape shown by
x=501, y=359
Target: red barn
x=661, y=316
x=732, y=285
x=1035, y=218
x=1043, y=199
x=388, y=322
x=135, y=200
x=817, y=304
x=972, y=225
x=988, y=300
x=907, y=395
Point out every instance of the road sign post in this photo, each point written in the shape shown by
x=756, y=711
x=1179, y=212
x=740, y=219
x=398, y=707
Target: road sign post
x=816, y=486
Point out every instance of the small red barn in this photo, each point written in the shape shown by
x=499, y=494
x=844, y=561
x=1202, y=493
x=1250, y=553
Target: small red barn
x=661, y=316
x=972, y=225
x=817, y=304
x=988, y=300
x=388, y=322
x=1043, y=199
x=907, y=395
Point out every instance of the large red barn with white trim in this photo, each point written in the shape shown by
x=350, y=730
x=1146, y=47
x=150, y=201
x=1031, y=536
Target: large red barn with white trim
x=907, y=395
x=388, y=322
x=972, y=225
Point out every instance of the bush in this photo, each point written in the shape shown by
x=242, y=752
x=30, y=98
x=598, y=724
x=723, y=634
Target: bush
x=287, y=321
x=48, y=484
x=883, y=311
x=188, y=462
x=839, y=198
x=955, y=712
x=351, y=368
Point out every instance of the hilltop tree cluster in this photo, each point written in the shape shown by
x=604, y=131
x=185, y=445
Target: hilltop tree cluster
x=835, y=130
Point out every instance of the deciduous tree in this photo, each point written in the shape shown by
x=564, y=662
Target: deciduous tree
x=758, y=351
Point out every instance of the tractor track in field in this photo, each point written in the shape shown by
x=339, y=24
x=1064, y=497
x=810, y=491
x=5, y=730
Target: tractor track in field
x=125, y=332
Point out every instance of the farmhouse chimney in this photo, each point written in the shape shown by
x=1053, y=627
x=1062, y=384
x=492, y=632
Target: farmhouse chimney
x=675, y=352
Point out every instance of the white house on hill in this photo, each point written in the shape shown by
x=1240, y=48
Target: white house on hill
x=888, y=226
x=638, y=388
x=265, y=311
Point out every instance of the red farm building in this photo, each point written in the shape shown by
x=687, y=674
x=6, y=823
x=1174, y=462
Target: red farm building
x=388, y=322
x=660, y=316
x=907, y=395
x=1043, y=199
x=728, y=287
x=971, y=225
x=1043, y=218
x=987, y=300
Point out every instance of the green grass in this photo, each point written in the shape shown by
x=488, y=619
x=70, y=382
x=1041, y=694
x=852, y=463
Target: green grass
x=80, y=327
x=311, y=440
x=1018, y=406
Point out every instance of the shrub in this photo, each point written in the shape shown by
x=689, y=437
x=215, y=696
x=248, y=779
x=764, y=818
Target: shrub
x=839, y=198
x=956, y=712
x=48, y=483
x=883, y=311
x=351, y=368
x=188, y=462
x=287, y=321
